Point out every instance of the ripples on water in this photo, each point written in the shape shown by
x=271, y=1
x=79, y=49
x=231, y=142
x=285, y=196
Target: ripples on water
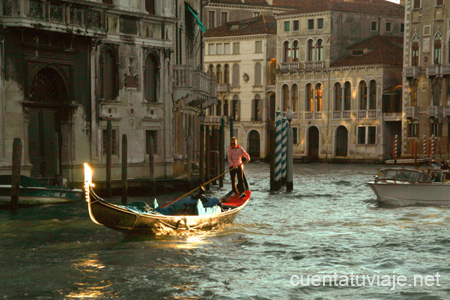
x=329, y=224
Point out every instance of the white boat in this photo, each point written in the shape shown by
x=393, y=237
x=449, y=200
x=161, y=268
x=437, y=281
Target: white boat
x=404, y=187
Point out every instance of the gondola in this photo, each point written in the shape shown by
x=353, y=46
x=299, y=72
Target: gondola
x=145, y=219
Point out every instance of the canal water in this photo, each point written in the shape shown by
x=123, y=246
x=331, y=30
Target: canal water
x=329, y=227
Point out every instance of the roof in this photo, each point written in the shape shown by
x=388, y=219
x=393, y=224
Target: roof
x=374, y=7
x=282, y=3
x=258, y=25
x=377, y=50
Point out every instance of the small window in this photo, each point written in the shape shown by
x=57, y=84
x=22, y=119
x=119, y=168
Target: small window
x=287, y=26
x=371, y=135
x=388, y=26
x=413, y=128
x=402, y=27
x=319, y=23
x=258, y=46
x=296, y=25
x=219, y=49
x=436, y=129
x=211, y=49
x=295, y=135
x=236, y=49
x=115, y=144
x=211, y=19
x=256, y=13
x=151, y=134
x=361, y=135
x=374, y=26
x=357, y=52
x=439, y=2
x=310, y=24
x=223, y=17
x=226, y=48
x=417, y=3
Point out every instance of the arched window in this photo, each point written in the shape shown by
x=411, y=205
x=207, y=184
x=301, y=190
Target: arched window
x=258, y=74
x=362, y=90
x=347, y=96
x=295, y=51
x=149, y=6
x=285, y=99
x=415, y=51
x=219, y=108
x=309, y=50
x=337, y=96
x=235, y=108
x=436, y=92
x=151, y=79
x=273, y=72
x=219, y=73
x=318, y=97
x=286, y=51
x=319, y=50
x=226, y=74
x=256, y=108
x=108, y=72
x=438, y=49
x=309, y=97
x=235, y=75
x=372, y=94
x=225, y=107
x=294, y=98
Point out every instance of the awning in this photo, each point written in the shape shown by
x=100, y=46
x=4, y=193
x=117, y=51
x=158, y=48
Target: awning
x=199, y=22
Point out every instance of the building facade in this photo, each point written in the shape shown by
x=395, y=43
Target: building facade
x=339, y=70
x=426, y=95
x=68, y=69
x=240, y=55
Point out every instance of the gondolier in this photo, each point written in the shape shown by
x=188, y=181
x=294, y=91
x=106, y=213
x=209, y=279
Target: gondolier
x=234, y=155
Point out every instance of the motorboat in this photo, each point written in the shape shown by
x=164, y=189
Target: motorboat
x=412, y=186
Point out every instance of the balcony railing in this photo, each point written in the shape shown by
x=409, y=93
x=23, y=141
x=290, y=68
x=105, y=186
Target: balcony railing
x=445, y=70
x=193, y=85
x=308, y=115
x=372, y=114
x=314, y=65
x=434, y=70
x=317, y=115
x=435, y=111
x=412, y=72
x=362, y=114
x=337, y=115
x=446, y=111
x=289, y=66
x=411, y=112
x=347, y=115
x=223, y=88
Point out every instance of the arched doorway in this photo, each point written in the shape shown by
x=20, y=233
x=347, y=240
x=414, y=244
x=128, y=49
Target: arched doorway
x=254, y=144
x=313, y=143
x=341, y=141
x=48, y=106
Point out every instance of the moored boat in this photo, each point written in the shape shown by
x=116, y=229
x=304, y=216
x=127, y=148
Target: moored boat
x=32, y=192
x=172, y=218
x=408, y=186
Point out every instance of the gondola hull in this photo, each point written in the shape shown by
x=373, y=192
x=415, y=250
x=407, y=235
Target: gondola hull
x=121, y=219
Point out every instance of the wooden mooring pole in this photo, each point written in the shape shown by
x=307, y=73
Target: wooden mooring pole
x=221, y=150
x=124, y=169
x=15, y=181
x=109, y=146
x=208, y=155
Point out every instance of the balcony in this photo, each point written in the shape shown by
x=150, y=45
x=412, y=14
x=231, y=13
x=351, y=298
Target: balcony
x=193, y=85
x=445, y=70
x=289, y=66
x=317, y=115
x=372, y=114
x=58, y=15
x=447, y=111
x=434, y=70
x=337, y=114
x=411, y=112
x=435, y=111
x=362, y=114
x=412, y=72
x=308, y=115
x=346, y=115
x=311, y=65
x=223, y=88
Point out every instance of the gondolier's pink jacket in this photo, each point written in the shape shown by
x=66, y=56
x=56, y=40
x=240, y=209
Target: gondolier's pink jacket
x=235, y=154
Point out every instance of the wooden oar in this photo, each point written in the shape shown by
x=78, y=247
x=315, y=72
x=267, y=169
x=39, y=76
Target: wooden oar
x=206, y=183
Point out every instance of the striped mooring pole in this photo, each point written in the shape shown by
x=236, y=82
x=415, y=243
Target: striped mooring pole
x=424, y=146
x=278, y=129
x=432, y=146
x=285, y=125
x=395, y=148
